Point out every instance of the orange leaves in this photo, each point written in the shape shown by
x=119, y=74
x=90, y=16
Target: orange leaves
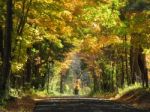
x=67, y=30
x=71, y=4
x=90, y=50
x=95, y=27
x=67, y=15
x=33, y=21
x=93, y=45
x=88, y=44
x=78, y=10
x=108, y=40
x=74, y=6
x=67, y=62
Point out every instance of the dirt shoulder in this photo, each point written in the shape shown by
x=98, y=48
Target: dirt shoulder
x=139, y=98
x=24, y=104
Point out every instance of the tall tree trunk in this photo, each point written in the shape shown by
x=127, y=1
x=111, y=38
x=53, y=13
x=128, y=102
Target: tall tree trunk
x=1, y=42
x=126, y=62
x=28, y=71
x=132, y=65
x=122, y=75
x=143, y=68
x=28, y=67
x=7, y=51
x=22, y=21
x=95, y=81
x=48, y=77
x=137, y=63
x=61, y=83
x=134, y=58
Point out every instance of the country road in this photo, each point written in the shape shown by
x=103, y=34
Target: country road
x=82, y=105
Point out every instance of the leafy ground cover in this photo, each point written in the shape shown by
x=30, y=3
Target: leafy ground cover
x=139, y=98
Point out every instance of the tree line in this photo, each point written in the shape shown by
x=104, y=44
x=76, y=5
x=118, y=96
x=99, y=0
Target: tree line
x=111, y=38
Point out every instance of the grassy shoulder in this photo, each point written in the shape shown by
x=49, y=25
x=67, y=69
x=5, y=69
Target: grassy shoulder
x=22, y=101
x=138, y=97
x=133, y=95
x=15, y=104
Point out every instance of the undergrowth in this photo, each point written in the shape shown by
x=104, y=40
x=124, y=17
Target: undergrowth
x=122, y=91
x=117, y=93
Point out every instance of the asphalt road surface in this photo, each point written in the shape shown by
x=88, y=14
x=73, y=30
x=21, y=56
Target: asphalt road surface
x=82, y=105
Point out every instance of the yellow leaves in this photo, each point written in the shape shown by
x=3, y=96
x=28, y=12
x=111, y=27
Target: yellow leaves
x=74, y=6
x=139, y=22
x=105, y=41
x=33, y=21
x=114, y=39
x=54, y=39
x=147, y=51
x=89, y=43
x=148, y=61
x=46, y=1
x=92, y=47
x=16, y=67
x=18, y=5
x=67, y=15
x=68, y=61
x=78, y=10
x=69, y=6
x=67, y=30
x=90, y=50
x=95, y=27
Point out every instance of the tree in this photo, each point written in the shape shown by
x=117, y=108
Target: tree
x=136, y=13
x=7, y=51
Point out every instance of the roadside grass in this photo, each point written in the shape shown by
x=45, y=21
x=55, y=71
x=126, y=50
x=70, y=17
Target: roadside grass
x=22, y=101
x=134, y=95
x=116, y=93
x=126, y=89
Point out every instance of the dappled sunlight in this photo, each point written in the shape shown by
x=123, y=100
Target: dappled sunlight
x=85, y=53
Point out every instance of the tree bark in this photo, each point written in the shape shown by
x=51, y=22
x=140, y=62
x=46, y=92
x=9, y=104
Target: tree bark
x=7, y=51
x=23, y=18
x=28, y=67
x=95, y=81
x=143, y=68
x=1, y=42
x=132, y=65
x=126, y=62
x=122, y=67
x=61, y=83
x=134, y=49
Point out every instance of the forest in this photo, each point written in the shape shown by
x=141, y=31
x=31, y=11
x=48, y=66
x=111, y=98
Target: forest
x=47, y=45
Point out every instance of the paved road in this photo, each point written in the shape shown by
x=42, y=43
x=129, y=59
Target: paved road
x=82, y=105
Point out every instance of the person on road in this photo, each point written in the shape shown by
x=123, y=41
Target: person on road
x=77, y=87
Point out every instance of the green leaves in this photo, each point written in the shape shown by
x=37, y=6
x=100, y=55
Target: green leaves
x=103, y=14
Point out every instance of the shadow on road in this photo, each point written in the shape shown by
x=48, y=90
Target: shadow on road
x=83, y=104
